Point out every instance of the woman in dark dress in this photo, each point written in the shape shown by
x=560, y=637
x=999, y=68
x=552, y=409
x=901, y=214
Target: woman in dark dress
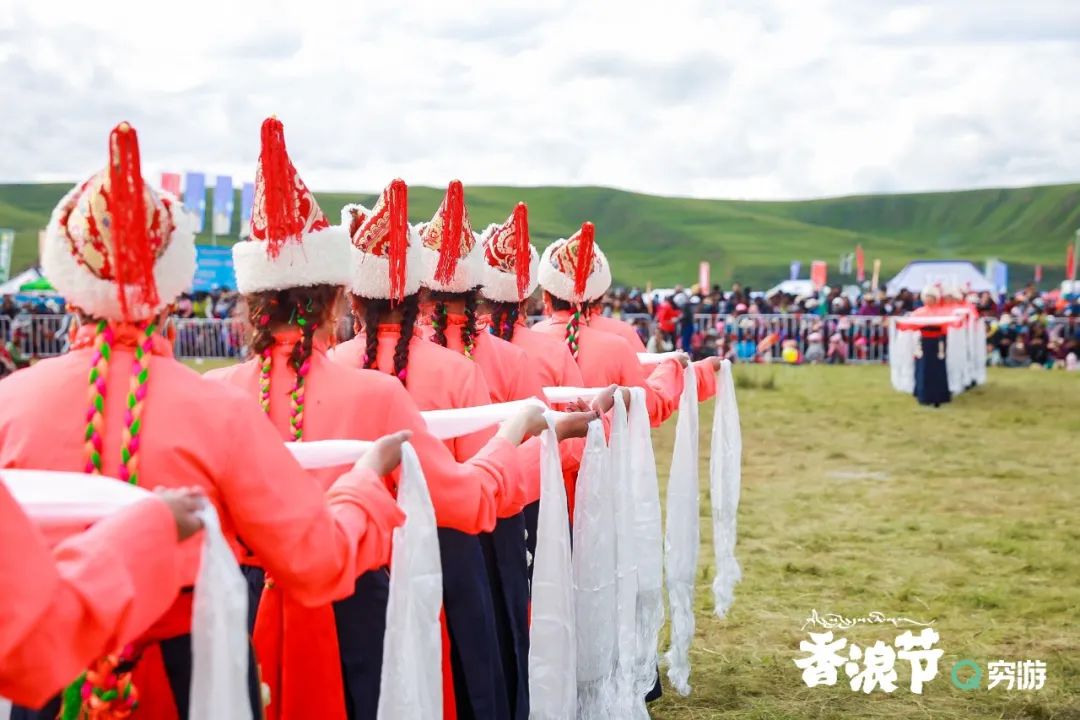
x=931, y=377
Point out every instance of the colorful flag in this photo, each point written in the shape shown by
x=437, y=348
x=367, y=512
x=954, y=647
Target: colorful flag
x=796, y=267
x=7, y=248
x=1070, y=262
x=819, y=273
x=223, y=205
x=860, y=264
x=247, y=201
x=703, y=278
x=170, y=182
x=1038, y=273
x=195, y=197
x=876, y=276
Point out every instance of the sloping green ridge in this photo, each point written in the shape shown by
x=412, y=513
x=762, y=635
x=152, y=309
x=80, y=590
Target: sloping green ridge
x=662, y=239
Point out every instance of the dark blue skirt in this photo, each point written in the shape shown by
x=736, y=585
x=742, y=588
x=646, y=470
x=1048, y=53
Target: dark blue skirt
x=931, y=377
x=479, y=684
x=504, y=553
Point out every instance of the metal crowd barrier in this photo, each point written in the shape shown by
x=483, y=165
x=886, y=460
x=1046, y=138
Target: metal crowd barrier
x=862, y=339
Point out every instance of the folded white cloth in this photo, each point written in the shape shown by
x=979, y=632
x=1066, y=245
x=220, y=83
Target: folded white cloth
x=316, y=454
x=455, y=422
x=412, y=650
x=62, y=504
x=682, y=536
x=566, y=394
x=646, y=358
x=552, y=644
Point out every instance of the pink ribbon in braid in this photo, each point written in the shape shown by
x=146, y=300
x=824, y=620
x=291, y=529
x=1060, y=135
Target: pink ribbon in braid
x=136, y=400
x=95, y=413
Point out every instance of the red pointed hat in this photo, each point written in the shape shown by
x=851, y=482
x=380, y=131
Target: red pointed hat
x=449, y=256
x=385, y=248
x=291, y=243
x=576, y=269
x=115, y=247
x=510, y=260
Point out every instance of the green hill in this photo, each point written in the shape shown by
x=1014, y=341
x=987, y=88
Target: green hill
x=662, y=239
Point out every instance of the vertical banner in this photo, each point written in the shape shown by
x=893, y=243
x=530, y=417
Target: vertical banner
x=170, y=182
x=997, y=273
x=1070, y=259
x=195, y=197
x=223, y=205
x=704, y=285
x=1038, y=274
x=877, y=275
x=860, y=264
x=247, y=201
x=213, y=269
x=796, y=268
x=819, y=273
x=7, y=248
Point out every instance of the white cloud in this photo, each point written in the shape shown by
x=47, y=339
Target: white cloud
x=745, y=98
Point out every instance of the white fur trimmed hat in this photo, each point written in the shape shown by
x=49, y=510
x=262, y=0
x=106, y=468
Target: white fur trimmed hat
x=575, y=269
x=385, y=248
x=450, y=258
x=115, y=247
x=291, y=243
x=510, y=260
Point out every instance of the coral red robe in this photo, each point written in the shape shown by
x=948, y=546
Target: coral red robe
x=605, y=359
x=703, y=369
x=356, y=404
x=88, y=596
x=197, y=432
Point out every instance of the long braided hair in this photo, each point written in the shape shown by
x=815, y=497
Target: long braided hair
x=469, y=330
x=504, y=317
x=307, y=308
x=94, y=437
x=573, y=326
x=374, y=311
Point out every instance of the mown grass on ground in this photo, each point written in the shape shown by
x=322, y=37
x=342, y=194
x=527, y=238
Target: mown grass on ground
x=856, y=499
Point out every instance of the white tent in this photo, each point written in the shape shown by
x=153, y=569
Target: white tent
x=11, y=287
x=950, y=273
x=796, y=288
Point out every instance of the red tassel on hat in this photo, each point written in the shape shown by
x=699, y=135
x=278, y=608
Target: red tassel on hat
x=585, y=254
x=398, y=200
x=453, y=211
x=132, y=254
x=522, y=256
x=279, y=188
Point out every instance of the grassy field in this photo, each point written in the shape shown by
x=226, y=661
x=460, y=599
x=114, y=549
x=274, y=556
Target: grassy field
x=855, y=499
x=662, y=239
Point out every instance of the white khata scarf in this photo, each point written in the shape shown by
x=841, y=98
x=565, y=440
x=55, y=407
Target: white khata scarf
x=682, y=536
x=594, y=579
x=412, y=652
x=552, y=645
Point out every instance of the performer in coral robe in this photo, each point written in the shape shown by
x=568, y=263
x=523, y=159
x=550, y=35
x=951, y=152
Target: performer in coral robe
x=292, y=312
x=436, y=378
x=573, y=272
x=509, y=277
x=91, y=594
x=704, y=370
x=120, y=252
x=451, y=263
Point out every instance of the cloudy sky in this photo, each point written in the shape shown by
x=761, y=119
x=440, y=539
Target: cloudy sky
x=759, y=99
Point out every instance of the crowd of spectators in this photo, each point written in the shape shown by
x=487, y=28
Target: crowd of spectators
x=1028, y=328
